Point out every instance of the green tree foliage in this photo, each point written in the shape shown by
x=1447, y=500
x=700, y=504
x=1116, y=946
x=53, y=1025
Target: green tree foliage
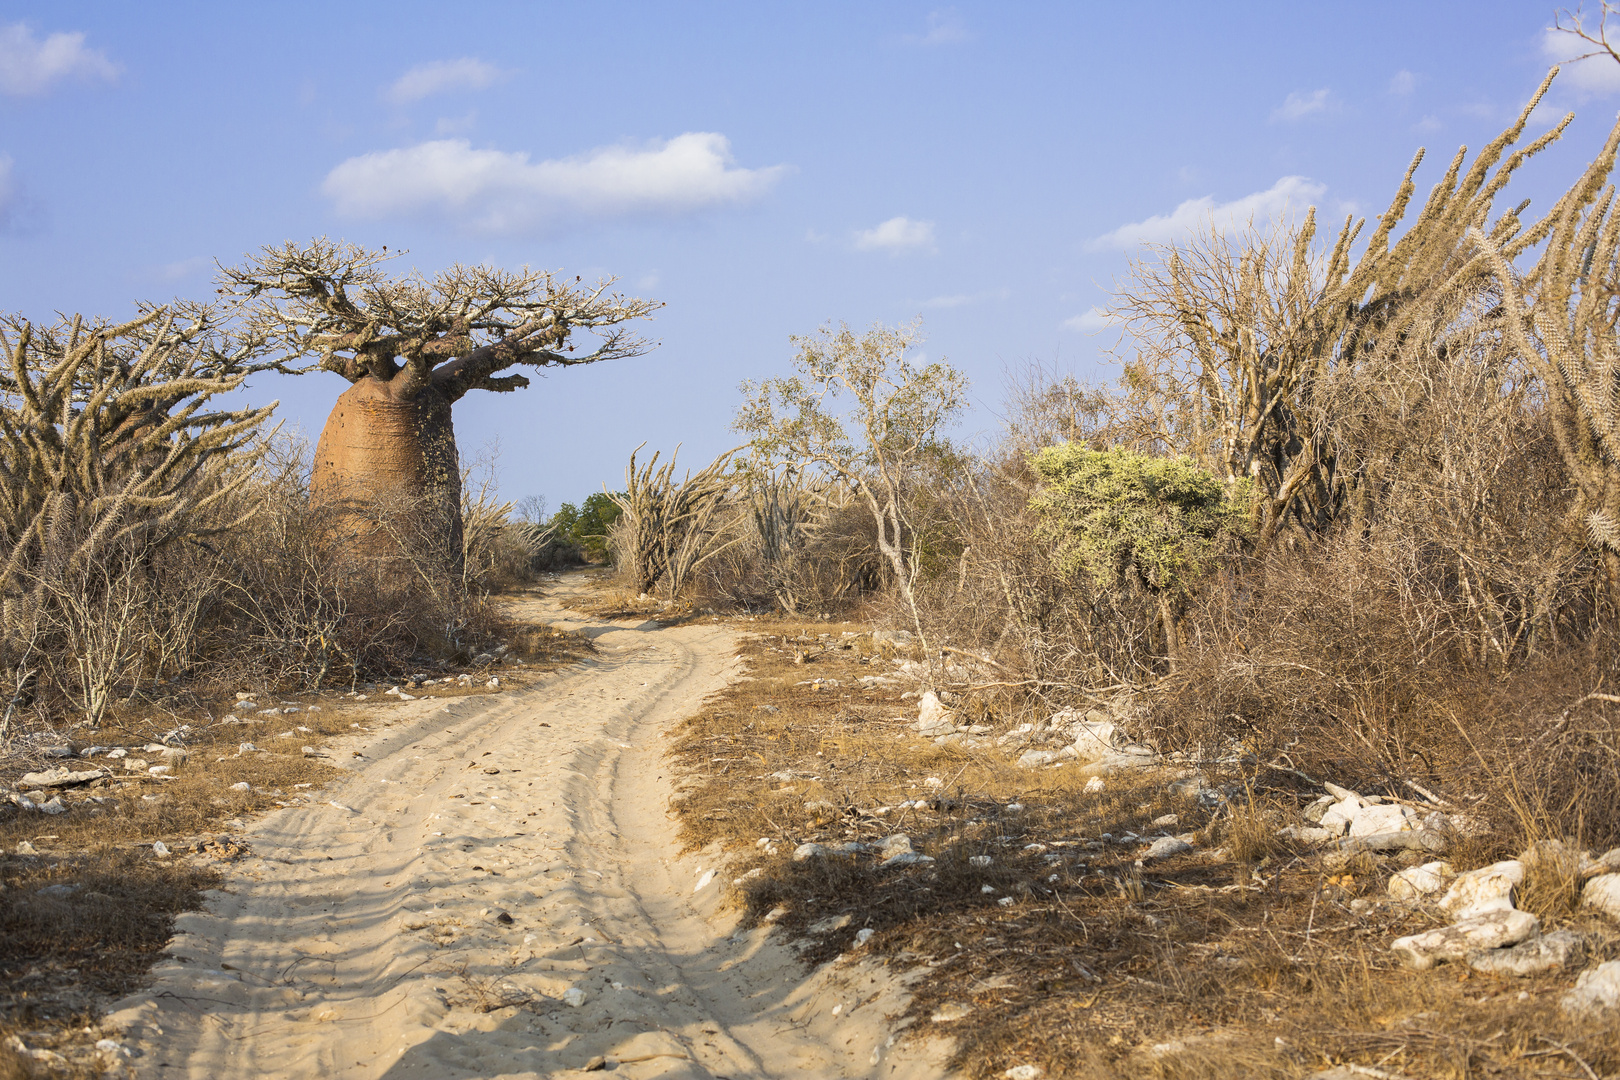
x=1120, y=516
x=586, y=527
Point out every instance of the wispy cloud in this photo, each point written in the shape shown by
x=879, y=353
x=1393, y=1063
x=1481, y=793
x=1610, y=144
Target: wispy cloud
x=1595, y=76
x=10, y=196
x=442, y=77
x=1291, y=194
x=956, y=300
x=896, y=235
x=29, y=66
x=1297, y=106
x=496, y=190
x=1402, y=82
x=1092, y=321
x=945, y=27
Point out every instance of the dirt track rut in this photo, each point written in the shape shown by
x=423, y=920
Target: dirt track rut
x=390, y=929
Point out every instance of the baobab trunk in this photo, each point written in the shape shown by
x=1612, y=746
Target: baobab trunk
x=387, y=471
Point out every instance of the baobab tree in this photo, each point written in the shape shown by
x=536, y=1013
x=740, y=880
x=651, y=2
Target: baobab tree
x=411, y=347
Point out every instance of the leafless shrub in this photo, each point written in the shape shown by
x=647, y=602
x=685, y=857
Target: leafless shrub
x=109, y=463
x=666, y=529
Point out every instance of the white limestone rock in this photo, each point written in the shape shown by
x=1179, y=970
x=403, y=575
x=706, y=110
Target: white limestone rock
x=1387, y=818
x=1596, y=991
x=1496, y=928
x=1603, y=893
x=1489, y=888
x=1416, y=881
x=1537, y=956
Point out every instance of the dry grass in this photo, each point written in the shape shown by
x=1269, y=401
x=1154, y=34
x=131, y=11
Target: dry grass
x=1064, y=950
x=62, y=957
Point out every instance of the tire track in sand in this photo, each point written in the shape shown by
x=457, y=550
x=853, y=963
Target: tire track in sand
x=394, y=930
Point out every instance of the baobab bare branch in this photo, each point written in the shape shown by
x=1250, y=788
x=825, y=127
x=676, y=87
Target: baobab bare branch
x=332, y=303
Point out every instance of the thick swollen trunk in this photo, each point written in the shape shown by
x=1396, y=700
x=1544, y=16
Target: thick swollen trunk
x=386, y=470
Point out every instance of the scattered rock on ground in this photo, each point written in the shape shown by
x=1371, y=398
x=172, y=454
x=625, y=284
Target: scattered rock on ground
x=1486, y=889
x=1537, y=956
x=808, y=851
x=1166, y=846
x=1388, y=818
x=1596, y=991
x=1603, y=893
x=1416, y=881
x=1494, y=928
x=61, y=777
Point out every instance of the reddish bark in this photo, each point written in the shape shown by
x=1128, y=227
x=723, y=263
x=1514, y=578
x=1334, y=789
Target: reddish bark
x=380, y=450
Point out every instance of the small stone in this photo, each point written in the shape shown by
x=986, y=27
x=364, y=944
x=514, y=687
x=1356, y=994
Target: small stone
x=112, y=1047
x=1094, y=785
x=893, y=844
x=776, y=914
x=1538, y=956
x=1416, y=881
x=25, y=848
x=906, y=858
x=160, y=849
x=1166, y=821
x=808, y=851
x=62, y=777
x=491, y=771
x=979, y=861
x=55, y=806
x=829, y=924
x=504, y=918
x=241, y=785
x=1032, y=759
x=59, y=891
x=1487, y=889
x=246, y=748
x=1023, y=1072
x=1167, y=846
x=1492, y=929
x=951, y=1011
x=573, y=997
x=1387, y=818
x=1603, y=893
x=1597, y=990
x=864, y=935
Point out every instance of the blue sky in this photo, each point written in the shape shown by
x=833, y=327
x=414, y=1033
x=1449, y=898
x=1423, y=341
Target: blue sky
x=761, y=168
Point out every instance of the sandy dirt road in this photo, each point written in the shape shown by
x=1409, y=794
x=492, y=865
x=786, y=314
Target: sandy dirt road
x=429, y=917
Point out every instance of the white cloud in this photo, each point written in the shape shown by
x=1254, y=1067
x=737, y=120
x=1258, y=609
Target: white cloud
x=29, y=66
x=455, y=125
x=10, y=197
x=945, y=27
x=1429, y=123
x=1402, y=82
x=896, y=235
x=1592, y=77
x=494, y=190
x=1291, y=194
x=1093, y=321
x=1297, y=106
x=442, y=77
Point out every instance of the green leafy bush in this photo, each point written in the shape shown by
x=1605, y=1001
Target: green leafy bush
x=586, y=526
x=1118, y=515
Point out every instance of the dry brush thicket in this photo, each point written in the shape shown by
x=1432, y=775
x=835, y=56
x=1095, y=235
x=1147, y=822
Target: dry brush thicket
x=157, y=544
x=1349, y=512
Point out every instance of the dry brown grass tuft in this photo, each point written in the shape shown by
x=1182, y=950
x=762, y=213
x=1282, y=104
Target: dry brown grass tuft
x=1064, y=950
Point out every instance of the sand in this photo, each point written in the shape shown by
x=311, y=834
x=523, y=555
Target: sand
x=429, y=917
